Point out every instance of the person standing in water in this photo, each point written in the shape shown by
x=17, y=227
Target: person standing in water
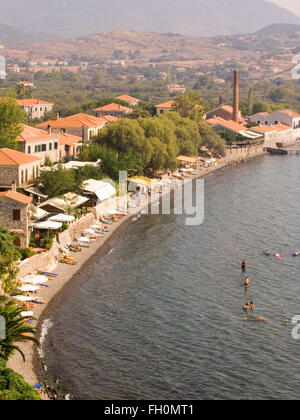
x=252, y=307
x=246, y=282
x=246, y=308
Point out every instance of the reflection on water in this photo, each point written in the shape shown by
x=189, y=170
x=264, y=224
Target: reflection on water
x=161, y=317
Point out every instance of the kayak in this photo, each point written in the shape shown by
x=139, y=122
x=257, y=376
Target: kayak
x=255, y=319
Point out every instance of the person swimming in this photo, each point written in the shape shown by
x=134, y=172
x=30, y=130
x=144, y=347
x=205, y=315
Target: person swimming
x=267, y=252
x=244, y=264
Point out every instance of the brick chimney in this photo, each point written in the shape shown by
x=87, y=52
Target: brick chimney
x=14, y=186
x=236, y=104
x=57, y=116
x=49, y=130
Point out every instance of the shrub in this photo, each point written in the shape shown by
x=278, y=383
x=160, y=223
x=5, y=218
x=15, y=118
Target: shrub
x=13, y=386
x=26, y=253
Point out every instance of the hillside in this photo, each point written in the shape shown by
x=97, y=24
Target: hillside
x=139, y=48
x=73, y=18
x=13, y=36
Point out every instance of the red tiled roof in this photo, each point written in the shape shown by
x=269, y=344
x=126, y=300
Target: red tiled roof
x=11, y=157
x=113, y=107
x=264, y=128
x=127, y=98
x=21, y=198
x=291, y=113
x=77, y=120
x=169, y=105
x=68, y=139
x=34, y=134
x=32, y=102
x=232, y=125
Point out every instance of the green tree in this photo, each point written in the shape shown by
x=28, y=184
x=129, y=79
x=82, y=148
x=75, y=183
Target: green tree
x=8, y=258
x=58, y=181
x=16, y=331
x=23, y=92
x=11, y=117
x=190, y=105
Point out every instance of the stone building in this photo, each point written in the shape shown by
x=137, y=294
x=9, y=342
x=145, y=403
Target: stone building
x=35, y=108
x=19, y=167
x=81, y=125
x=15, y=215
x=39, y=143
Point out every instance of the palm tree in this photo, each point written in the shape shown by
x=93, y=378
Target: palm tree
x=16, y=331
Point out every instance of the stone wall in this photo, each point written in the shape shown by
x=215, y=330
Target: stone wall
x=7, y=175
x=44, y=262
x=48, y=260
x=246, y=152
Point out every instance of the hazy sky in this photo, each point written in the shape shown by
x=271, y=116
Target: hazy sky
x=293, y=5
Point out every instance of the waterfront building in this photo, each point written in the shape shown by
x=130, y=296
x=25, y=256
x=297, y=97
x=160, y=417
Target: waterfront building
x=15, y=215
x=19, y=167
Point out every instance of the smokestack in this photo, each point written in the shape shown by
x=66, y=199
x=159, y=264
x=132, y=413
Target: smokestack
x=236, y=104
x=14, y=186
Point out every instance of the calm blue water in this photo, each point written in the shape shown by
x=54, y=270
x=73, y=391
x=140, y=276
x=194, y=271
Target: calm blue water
x=160, y=318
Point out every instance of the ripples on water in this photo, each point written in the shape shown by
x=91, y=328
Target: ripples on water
x=160, y=318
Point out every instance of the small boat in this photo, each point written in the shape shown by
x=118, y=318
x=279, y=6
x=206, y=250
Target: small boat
x=276, y=255
x=49, y=274
x=276, y=151
x=255, y=319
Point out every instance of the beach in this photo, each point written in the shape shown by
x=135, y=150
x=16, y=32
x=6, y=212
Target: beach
x=29, y=370
x=65, y=274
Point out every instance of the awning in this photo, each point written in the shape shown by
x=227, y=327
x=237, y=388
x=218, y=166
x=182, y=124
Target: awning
x=63, y=218
x=48, y=225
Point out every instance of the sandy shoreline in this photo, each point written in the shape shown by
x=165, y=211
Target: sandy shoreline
x=65, y=275
x=30, y=369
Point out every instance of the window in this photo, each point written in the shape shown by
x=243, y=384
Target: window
x=39, y=148
x=50, y=146
x=36, y=149
x=29, y=150
x=44, y=147
x=55, y=145
x=26, y=175
x=16, y=215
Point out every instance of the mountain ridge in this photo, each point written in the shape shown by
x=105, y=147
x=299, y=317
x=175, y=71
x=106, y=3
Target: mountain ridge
x=74, y=18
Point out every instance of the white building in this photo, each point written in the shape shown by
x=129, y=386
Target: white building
x=286, y=117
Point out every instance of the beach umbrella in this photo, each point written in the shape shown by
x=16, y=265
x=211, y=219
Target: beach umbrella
x=24, y=298
x=83, y=239
x=88, y=231
x=35, y=279
x=29, y=288
x=26, y=314
x=96, y=227
x=48, y=225
x=63, y=218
